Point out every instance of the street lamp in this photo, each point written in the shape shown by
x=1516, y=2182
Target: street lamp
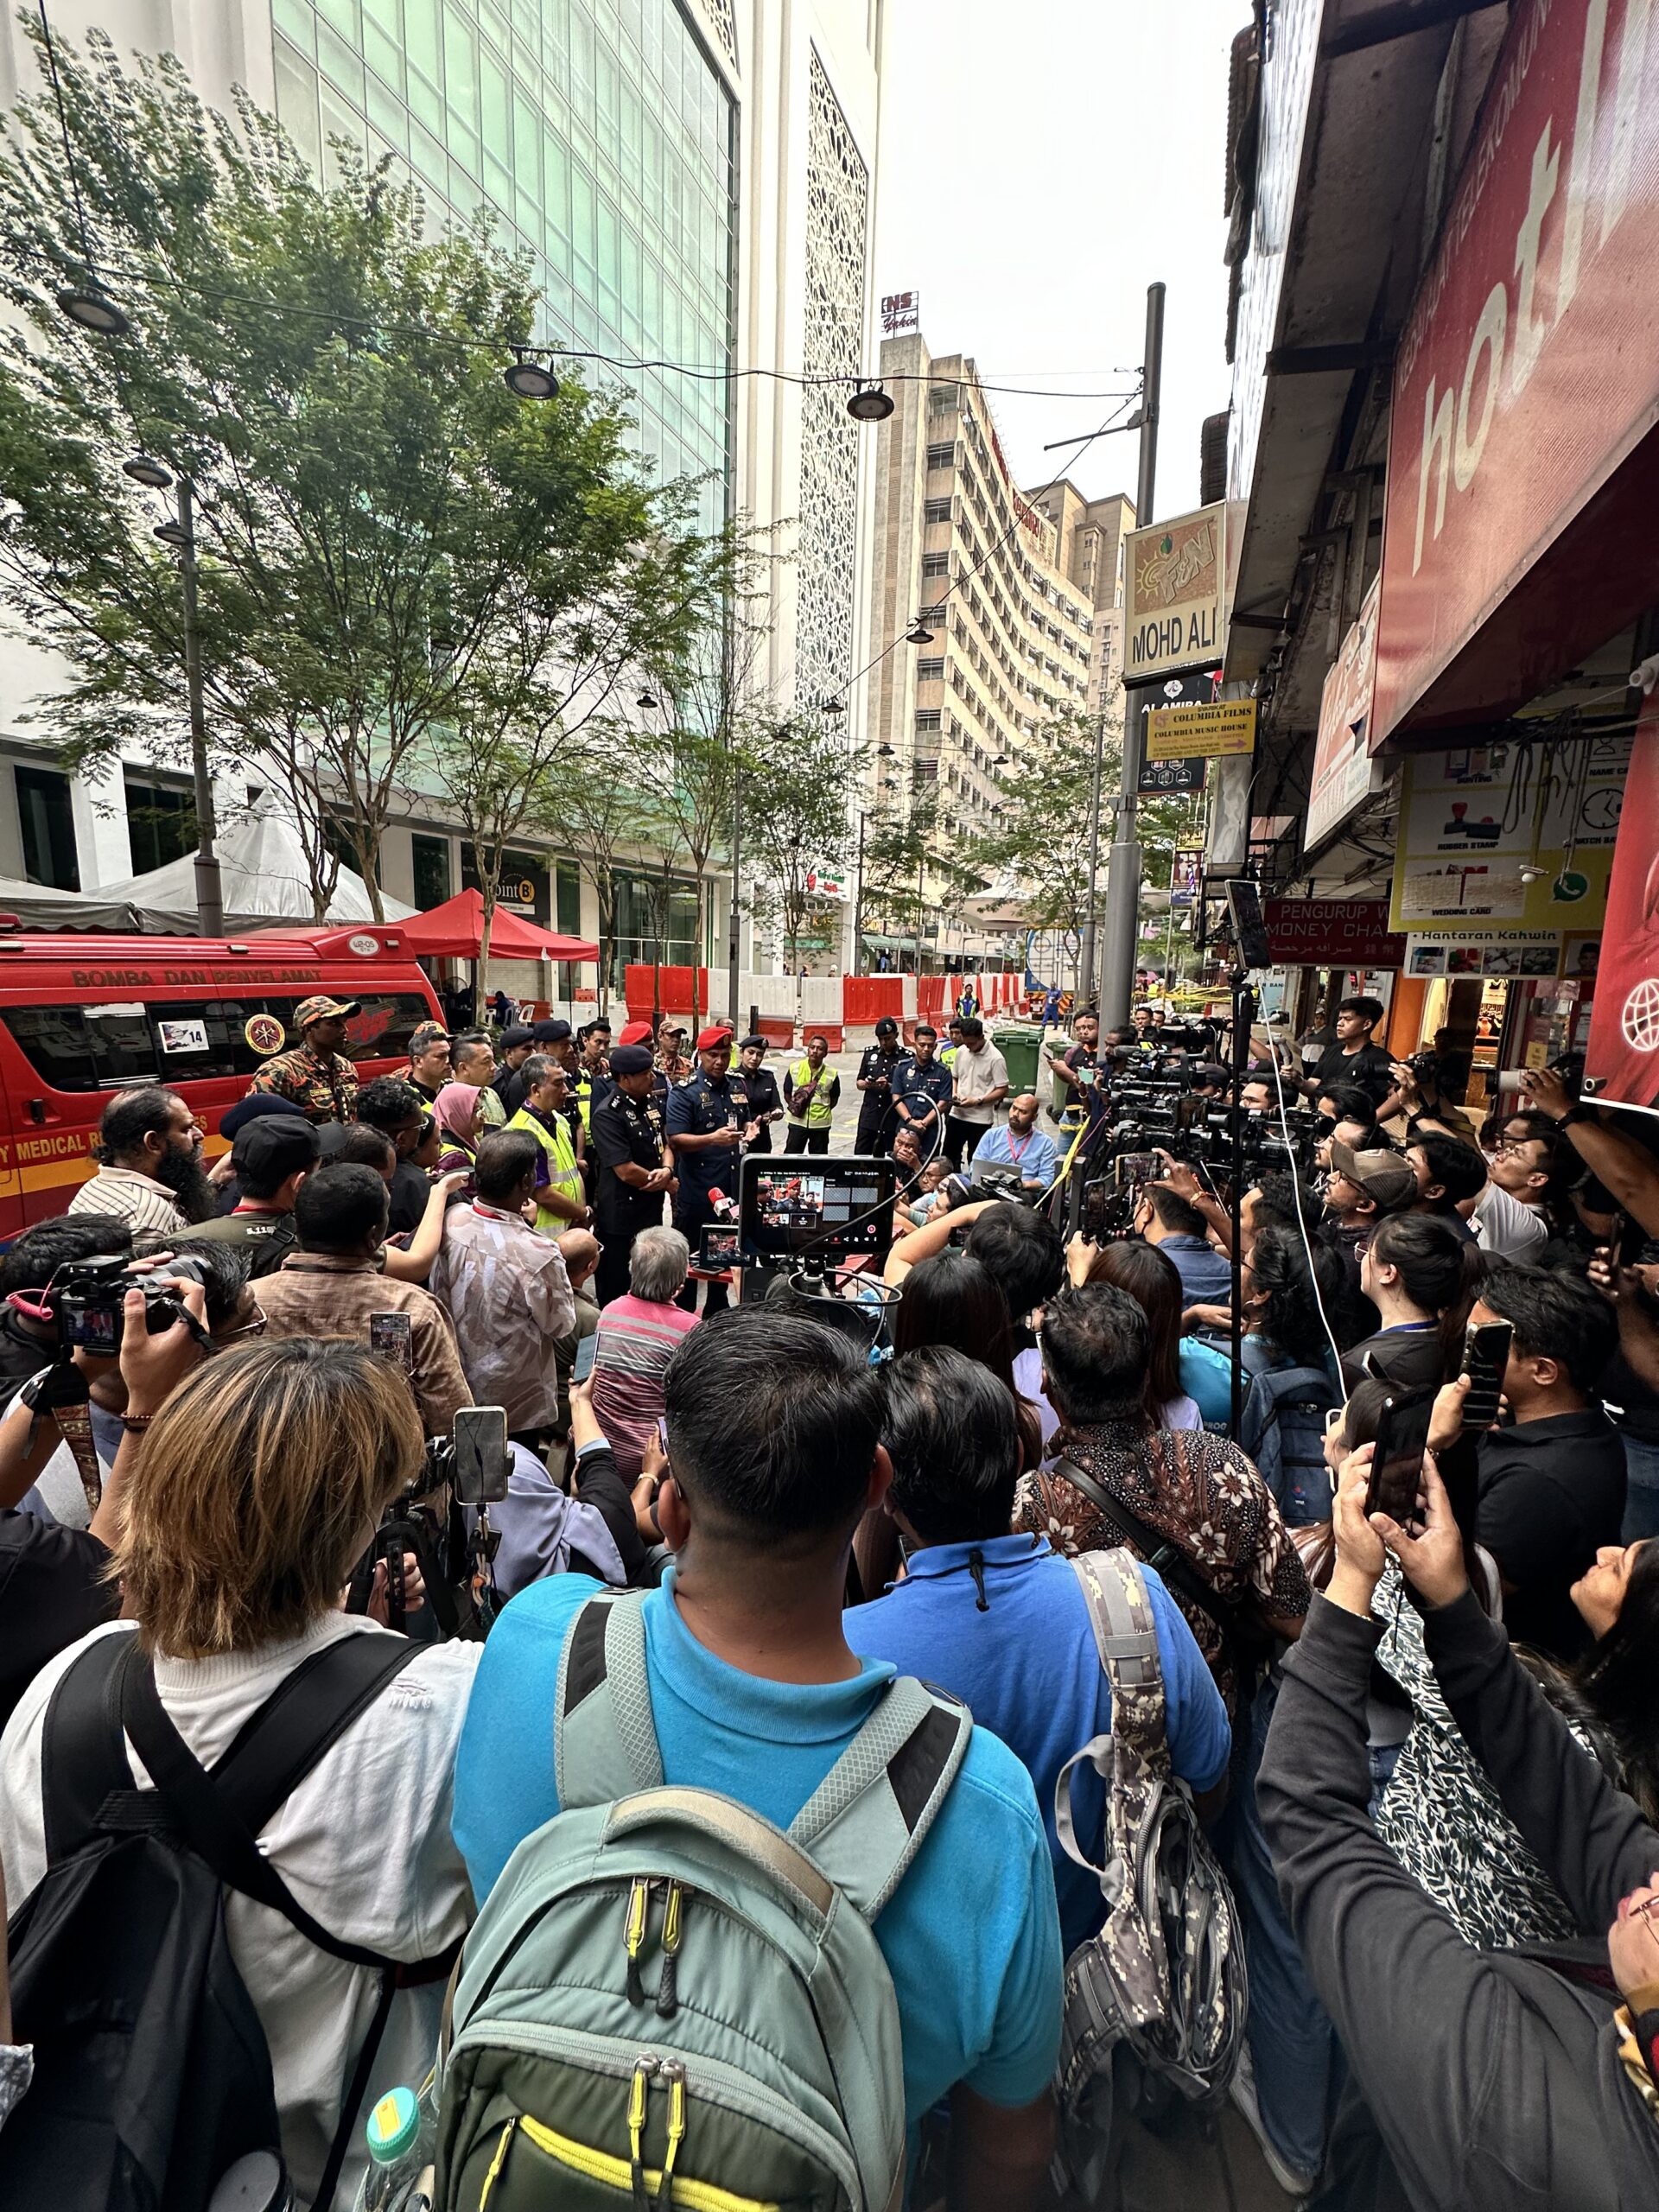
x=647, y=700
x=869, y=403
x=179, y=532
x=921, y=635
x=529, y=379
x=93, y=310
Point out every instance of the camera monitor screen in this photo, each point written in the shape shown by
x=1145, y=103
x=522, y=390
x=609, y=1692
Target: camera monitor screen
x=841, y=1208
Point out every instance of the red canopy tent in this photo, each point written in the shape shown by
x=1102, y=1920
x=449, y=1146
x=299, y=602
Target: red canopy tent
x=455, y=930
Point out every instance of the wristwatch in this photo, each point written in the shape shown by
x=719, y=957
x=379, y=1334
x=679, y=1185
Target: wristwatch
x=1578, y=1112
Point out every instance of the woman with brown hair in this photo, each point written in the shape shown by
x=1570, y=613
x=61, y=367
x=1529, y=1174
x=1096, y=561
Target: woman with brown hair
x=253, y=1489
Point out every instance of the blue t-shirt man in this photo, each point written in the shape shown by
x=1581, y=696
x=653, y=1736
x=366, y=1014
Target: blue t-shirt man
x=969, y=1935
x=1029, y=1669
x=1029, y=1150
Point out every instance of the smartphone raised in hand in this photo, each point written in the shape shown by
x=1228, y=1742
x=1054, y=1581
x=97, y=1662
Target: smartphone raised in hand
x=1397, y=1459
x=1485, y=1357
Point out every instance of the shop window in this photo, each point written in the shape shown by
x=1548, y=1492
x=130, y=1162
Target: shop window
x=45, y=819
x=430, y=858
x=161, y=825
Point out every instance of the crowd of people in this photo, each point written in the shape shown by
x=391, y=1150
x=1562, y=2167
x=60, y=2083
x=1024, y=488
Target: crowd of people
x=737, y=1539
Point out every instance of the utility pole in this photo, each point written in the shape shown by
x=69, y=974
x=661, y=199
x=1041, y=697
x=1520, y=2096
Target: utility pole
x=858, y=900
x=209, y=910
x=734, y=934
x=1123, y=876
x=1088, y=965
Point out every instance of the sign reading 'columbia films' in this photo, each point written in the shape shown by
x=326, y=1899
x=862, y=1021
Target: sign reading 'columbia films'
x=1175, y=593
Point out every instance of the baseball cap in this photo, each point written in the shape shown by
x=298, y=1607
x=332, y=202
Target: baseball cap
x=887, y=1026
x=631, y=1059
x=709, y=1041
x=323, y=1008
x=256, y=1105
x=1384, y=1176
x=636, y=1032
x=275, y=1146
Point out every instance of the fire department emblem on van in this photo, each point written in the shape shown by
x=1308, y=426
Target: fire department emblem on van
x=265, y=1034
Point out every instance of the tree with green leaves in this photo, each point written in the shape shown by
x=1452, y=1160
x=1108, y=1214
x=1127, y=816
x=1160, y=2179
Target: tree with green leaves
x=798, y=786
x=403, y=569
x=1041, y=838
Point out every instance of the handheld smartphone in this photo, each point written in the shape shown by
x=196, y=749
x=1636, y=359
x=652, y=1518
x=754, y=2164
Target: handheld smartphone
x=481, y=1462
x=587, y=1353
x=1397, y=1462
x=391, y=1335
x=1137, y=1168
x=1629, y=1239
x=1486, y=1356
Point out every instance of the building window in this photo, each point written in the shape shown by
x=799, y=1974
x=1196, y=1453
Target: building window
x=431, y=866
x=942, y=456
x=47, y=819
x=568, y=877
x=930, y=671
x=936, y=511
x=656, y=923
x=936, y=564
x=160, y=825
x=927, y=720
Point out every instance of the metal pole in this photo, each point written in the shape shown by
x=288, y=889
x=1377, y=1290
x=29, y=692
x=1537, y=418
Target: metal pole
x=1088, y=965
x=1123, y=872
x=210, y=910
x=921, y=878
x=858, y=901
x=733, y=946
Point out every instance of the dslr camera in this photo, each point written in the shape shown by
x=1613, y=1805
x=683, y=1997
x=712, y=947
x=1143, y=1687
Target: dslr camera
x=86, y=1297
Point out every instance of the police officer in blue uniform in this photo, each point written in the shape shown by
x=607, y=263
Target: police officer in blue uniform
x=709, y=1121
x=922, y=1092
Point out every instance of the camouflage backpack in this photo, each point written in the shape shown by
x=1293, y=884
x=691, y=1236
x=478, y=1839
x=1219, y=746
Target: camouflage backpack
x=1154, y=2003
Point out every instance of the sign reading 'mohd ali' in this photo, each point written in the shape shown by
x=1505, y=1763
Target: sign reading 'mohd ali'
x=1175, y=595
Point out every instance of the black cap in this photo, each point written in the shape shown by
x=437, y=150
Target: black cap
x=743, y=1044
x=887, y=1026
x=630, y=1059
x=275, y=1146
x=517, y=1033
x=256, y=1107
x=549, y=1032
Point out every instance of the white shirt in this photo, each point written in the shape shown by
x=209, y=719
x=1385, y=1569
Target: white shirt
x=1505, y=1228
x=364, y=1843
x=508, y=1294
x=137, y=1198
x=976, y=1073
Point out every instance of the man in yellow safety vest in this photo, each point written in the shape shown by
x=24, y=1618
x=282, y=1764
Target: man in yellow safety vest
x=811, y=1092
x=561, y=1199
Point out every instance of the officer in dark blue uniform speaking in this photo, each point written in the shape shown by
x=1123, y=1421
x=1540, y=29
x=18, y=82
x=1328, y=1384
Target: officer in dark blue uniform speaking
x=709, y=1121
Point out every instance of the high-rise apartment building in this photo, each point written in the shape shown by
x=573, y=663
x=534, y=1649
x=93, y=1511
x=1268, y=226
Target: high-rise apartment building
x=955, y=543
x=1090, y=536
x=695, y=184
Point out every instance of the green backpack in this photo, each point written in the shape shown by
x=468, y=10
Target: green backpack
x=667, y=2001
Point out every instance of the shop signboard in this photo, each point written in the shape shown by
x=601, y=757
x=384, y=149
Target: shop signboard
x=1186, y=872
x=1498, y=839
x=1162, y=778
x=525, y=887
x=1497, y=952
x=1526, y=373
x=1211, y=732
x=1175, y=595
x=1345, y=775
x=1331, y=933
x=1622, y=1057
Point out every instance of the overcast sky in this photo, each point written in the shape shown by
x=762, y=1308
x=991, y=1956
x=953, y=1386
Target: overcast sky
x=1042, y=163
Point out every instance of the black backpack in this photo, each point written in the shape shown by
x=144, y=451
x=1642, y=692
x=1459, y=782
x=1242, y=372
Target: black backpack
x=151, y=2071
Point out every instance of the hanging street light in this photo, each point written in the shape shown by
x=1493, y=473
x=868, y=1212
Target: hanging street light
x=921, y=635
x=144, y=469
x=530, y=380
x=646, y=702
x=173, y=534
x=93, y=310
x=869, y=403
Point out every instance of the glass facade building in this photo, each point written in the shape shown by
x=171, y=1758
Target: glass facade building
x=602, y=139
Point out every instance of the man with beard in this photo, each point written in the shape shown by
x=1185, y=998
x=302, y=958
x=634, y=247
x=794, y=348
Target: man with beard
x=151, y=1173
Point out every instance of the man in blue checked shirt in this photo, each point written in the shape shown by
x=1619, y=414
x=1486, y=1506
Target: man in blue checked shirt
x=1019, y=1143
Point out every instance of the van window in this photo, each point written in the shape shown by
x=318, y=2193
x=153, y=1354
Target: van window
x=177, y=1040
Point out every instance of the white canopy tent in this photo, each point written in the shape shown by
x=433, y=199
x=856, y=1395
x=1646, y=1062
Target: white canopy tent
x=263, y=882
x=36, y=906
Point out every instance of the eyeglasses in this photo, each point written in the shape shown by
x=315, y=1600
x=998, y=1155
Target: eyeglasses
x=256, y=1327
x=1333, y=1418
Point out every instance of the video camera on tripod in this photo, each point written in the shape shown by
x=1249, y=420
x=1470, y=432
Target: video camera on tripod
x=469, y=1468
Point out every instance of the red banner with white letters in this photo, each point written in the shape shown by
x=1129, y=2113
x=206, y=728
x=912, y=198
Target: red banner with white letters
x=1527, y=376
x=1623, y=1052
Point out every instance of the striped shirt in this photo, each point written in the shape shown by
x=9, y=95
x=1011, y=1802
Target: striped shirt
x=135, y=1198
x=637, y=1337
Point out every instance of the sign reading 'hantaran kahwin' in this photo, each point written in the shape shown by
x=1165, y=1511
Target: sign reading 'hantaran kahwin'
x=1175, y=595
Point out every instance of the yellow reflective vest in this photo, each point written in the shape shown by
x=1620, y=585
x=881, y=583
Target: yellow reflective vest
x=820, y=1108
x=563, y=1173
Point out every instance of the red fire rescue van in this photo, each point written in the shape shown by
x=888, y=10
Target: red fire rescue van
x=82, y=1017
